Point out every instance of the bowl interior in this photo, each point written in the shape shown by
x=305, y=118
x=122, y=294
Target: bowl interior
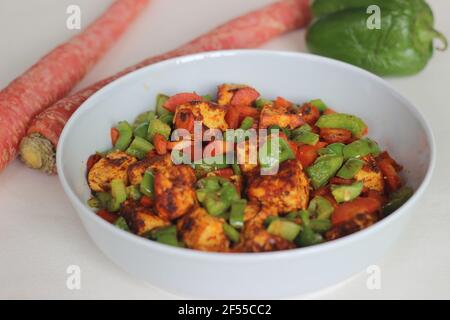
x=392, y=120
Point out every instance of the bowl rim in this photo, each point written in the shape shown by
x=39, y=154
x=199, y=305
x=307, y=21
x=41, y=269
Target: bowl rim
x=82, y=209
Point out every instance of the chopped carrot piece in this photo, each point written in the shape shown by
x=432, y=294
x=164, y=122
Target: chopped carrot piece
x=108, y=216
x=244, y=97
x=160, y=144
x=180, y=98
x=225, y=172
x=348, y=210
x=307, y=154
x=282, y=103
x=114, y=135
x=232, y=117
x=146, y=201
x=309, y=113
x=331, y=135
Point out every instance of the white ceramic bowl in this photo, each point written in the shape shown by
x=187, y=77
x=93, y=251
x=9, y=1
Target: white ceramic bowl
x=393, y=121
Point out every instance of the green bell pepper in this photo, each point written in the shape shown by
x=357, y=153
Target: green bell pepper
x=247, y=123
x=321, y=207
x=343, y=121
x=121, y=223
x=157, y=126
x=324, y=169
x=125, y=135
x=397, y=199
x=231, y=232
x=118, y=193
x=344, y=193
x=285, y=229
x=357, y=149
x=402, y=45
x=269, y=157
x=350, y=168
x=261, y=102
x=160, y=100
x=237, y=213
x=147, y=186
x=319, y=104
x=139, y=148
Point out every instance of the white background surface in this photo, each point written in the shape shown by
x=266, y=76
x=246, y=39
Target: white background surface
x=40, y=234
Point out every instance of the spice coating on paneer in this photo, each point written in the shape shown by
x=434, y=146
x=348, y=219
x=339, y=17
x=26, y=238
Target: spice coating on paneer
x=370, y=175
x=113, y=166
x=286, y=191
x=174, y=190
x=136, y=170
x=272, y=116
x=255, y=238
x=141, y=220
x=199, y=230
x=212, y=115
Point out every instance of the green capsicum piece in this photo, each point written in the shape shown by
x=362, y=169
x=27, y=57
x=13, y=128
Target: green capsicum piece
x=333, y=149
x=269, y=155
x=237, y=213
x=160, y=100
x=343, y=121
x=285, y=229
x=118, y=194
x=344, y=193
x=167, y=235
x=247, y=123
x=147, y=186
x=321, y=207
x=402, y=45
x=231, y=232
x=319, y=104
x=141, y=130
x=309, y=138
x=121, y=223
x=324, y=169
x=133, y=193
x=125, y=135
x=350, y=168
x=397, y=199
x=261, y=102
x=139, y=148
x=157, y=126
x=357, y=149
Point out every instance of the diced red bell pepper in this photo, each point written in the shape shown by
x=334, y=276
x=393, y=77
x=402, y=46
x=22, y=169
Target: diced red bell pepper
x=244, y=97
x=180, y=98
x=108, y=216
x=348, y=210
x=114, y=135
x=309, y=113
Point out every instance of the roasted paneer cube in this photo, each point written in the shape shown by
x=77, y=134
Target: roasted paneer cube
x=136, y=170
x=359, y=222
x=141, y=220
x=174, y=190
x=212, y=115
x=202, y=231
x=255, y=237
x=371, y=175
x=273, y=116
x=283, y=192
x=113, y=166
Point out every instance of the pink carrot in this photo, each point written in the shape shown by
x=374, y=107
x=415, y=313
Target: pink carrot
x=247, y=31
x=53, y=76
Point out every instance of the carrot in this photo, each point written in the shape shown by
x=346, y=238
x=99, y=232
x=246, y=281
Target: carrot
x=348, y=210
x=114, y=135
x=225, y=172
x=244, y=97
x=390, y=174
x=146, y=201
x=332, y=135
x=307, y=154
x=107, y=216
x=247, y=31
x=160, y=144
x=54, y=75
x=181, y=98
x=309, y=113
x=281, y=102
x=232, y=117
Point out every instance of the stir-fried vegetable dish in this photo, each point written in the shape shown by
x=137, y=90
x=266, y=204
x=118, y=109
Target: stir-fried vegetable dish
x=243, y=174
